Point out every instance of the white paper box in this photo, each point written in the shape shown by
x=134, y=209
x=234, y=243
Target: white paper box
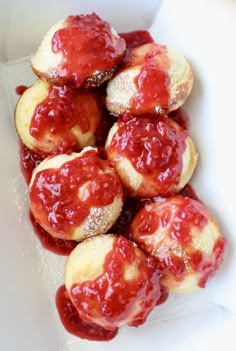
x=204, y=31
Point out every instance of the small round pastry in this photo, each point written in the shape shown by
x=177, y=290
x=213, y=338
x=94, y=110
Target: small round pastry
x=153, y=78
x=152, y=155
x=81, y=50
x=75, y=196
x=183, y=235
x=53, y=119
x=112, y=282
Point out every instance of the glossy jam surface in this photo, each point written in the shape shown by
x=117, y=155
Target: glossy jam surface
x=117, y=296
x=163, y=228
x=164, y=296
x=54, y=192
x=152, y=82
x=87, y=45
x=20, y=89
x=154, y=146
x=136, y=38
x=72, y=322
x=63, y=110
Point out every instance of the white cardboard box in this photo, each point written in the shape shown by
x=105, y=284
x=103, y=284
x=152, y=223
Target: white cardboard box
x=204, y=32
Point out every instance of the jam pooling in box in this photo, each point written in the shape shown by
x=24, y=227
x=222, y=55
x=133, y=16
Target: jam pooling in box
x=72, y=322
x=136, y=38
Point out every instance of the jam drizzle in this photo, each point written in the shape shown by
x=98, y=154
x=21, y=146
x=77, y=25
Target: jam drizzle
x=154, y=146
x=63, y=113
x=91, y=40
x=20, y=89
x=142, y=289
x=188, y=213
x=54, y=192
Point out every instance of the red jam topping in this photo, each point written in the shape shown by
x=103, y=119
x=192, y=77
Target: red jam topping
x=55, y=245
x=62, y=110
x=20, y=89
x=54, y=192
x=154, y=146
x=208, y=267
x=152, y=82
x=115, y=298
x=72, y=322
x=136, y=38
x=88, y=46
x=176, y=220
x=164, y=296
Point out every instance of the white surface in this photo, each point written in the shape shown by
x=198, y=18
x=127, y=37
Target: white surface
x=204, y=32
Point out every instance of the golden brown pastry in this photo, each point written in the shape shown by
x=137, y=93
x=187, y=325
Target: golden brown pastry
x=111, y=282
x=183, y=235
x=81, y=50
x=153, y=156
x=53, y=119
x=153, y=78
x=75, y=196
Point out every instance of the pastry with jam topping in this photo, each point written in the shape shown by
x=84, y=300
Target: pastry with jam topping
x=81, y=50
x=153, y=78
x=183, y=235
x=111, y=282
x=152, y=155
x=75, y=196
x=54, y=119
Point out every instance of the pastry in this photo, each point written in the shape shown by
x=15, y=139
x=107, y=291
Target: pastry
x=81, y=50
x=111, y=282
x=54, y=119
x=153, y=78
x=75, y=196
x=183, y=235
x=152, y=155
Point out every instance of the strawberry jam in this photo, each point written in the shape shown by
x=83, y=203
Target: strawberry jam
x=61, y=115
x=152, y=82
x=28, y=161
x=88, y=47
x=136, y=38
x=116, y=296
x=72, y=322
x=54, y=193
x=168, y=229
x=155, y=148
